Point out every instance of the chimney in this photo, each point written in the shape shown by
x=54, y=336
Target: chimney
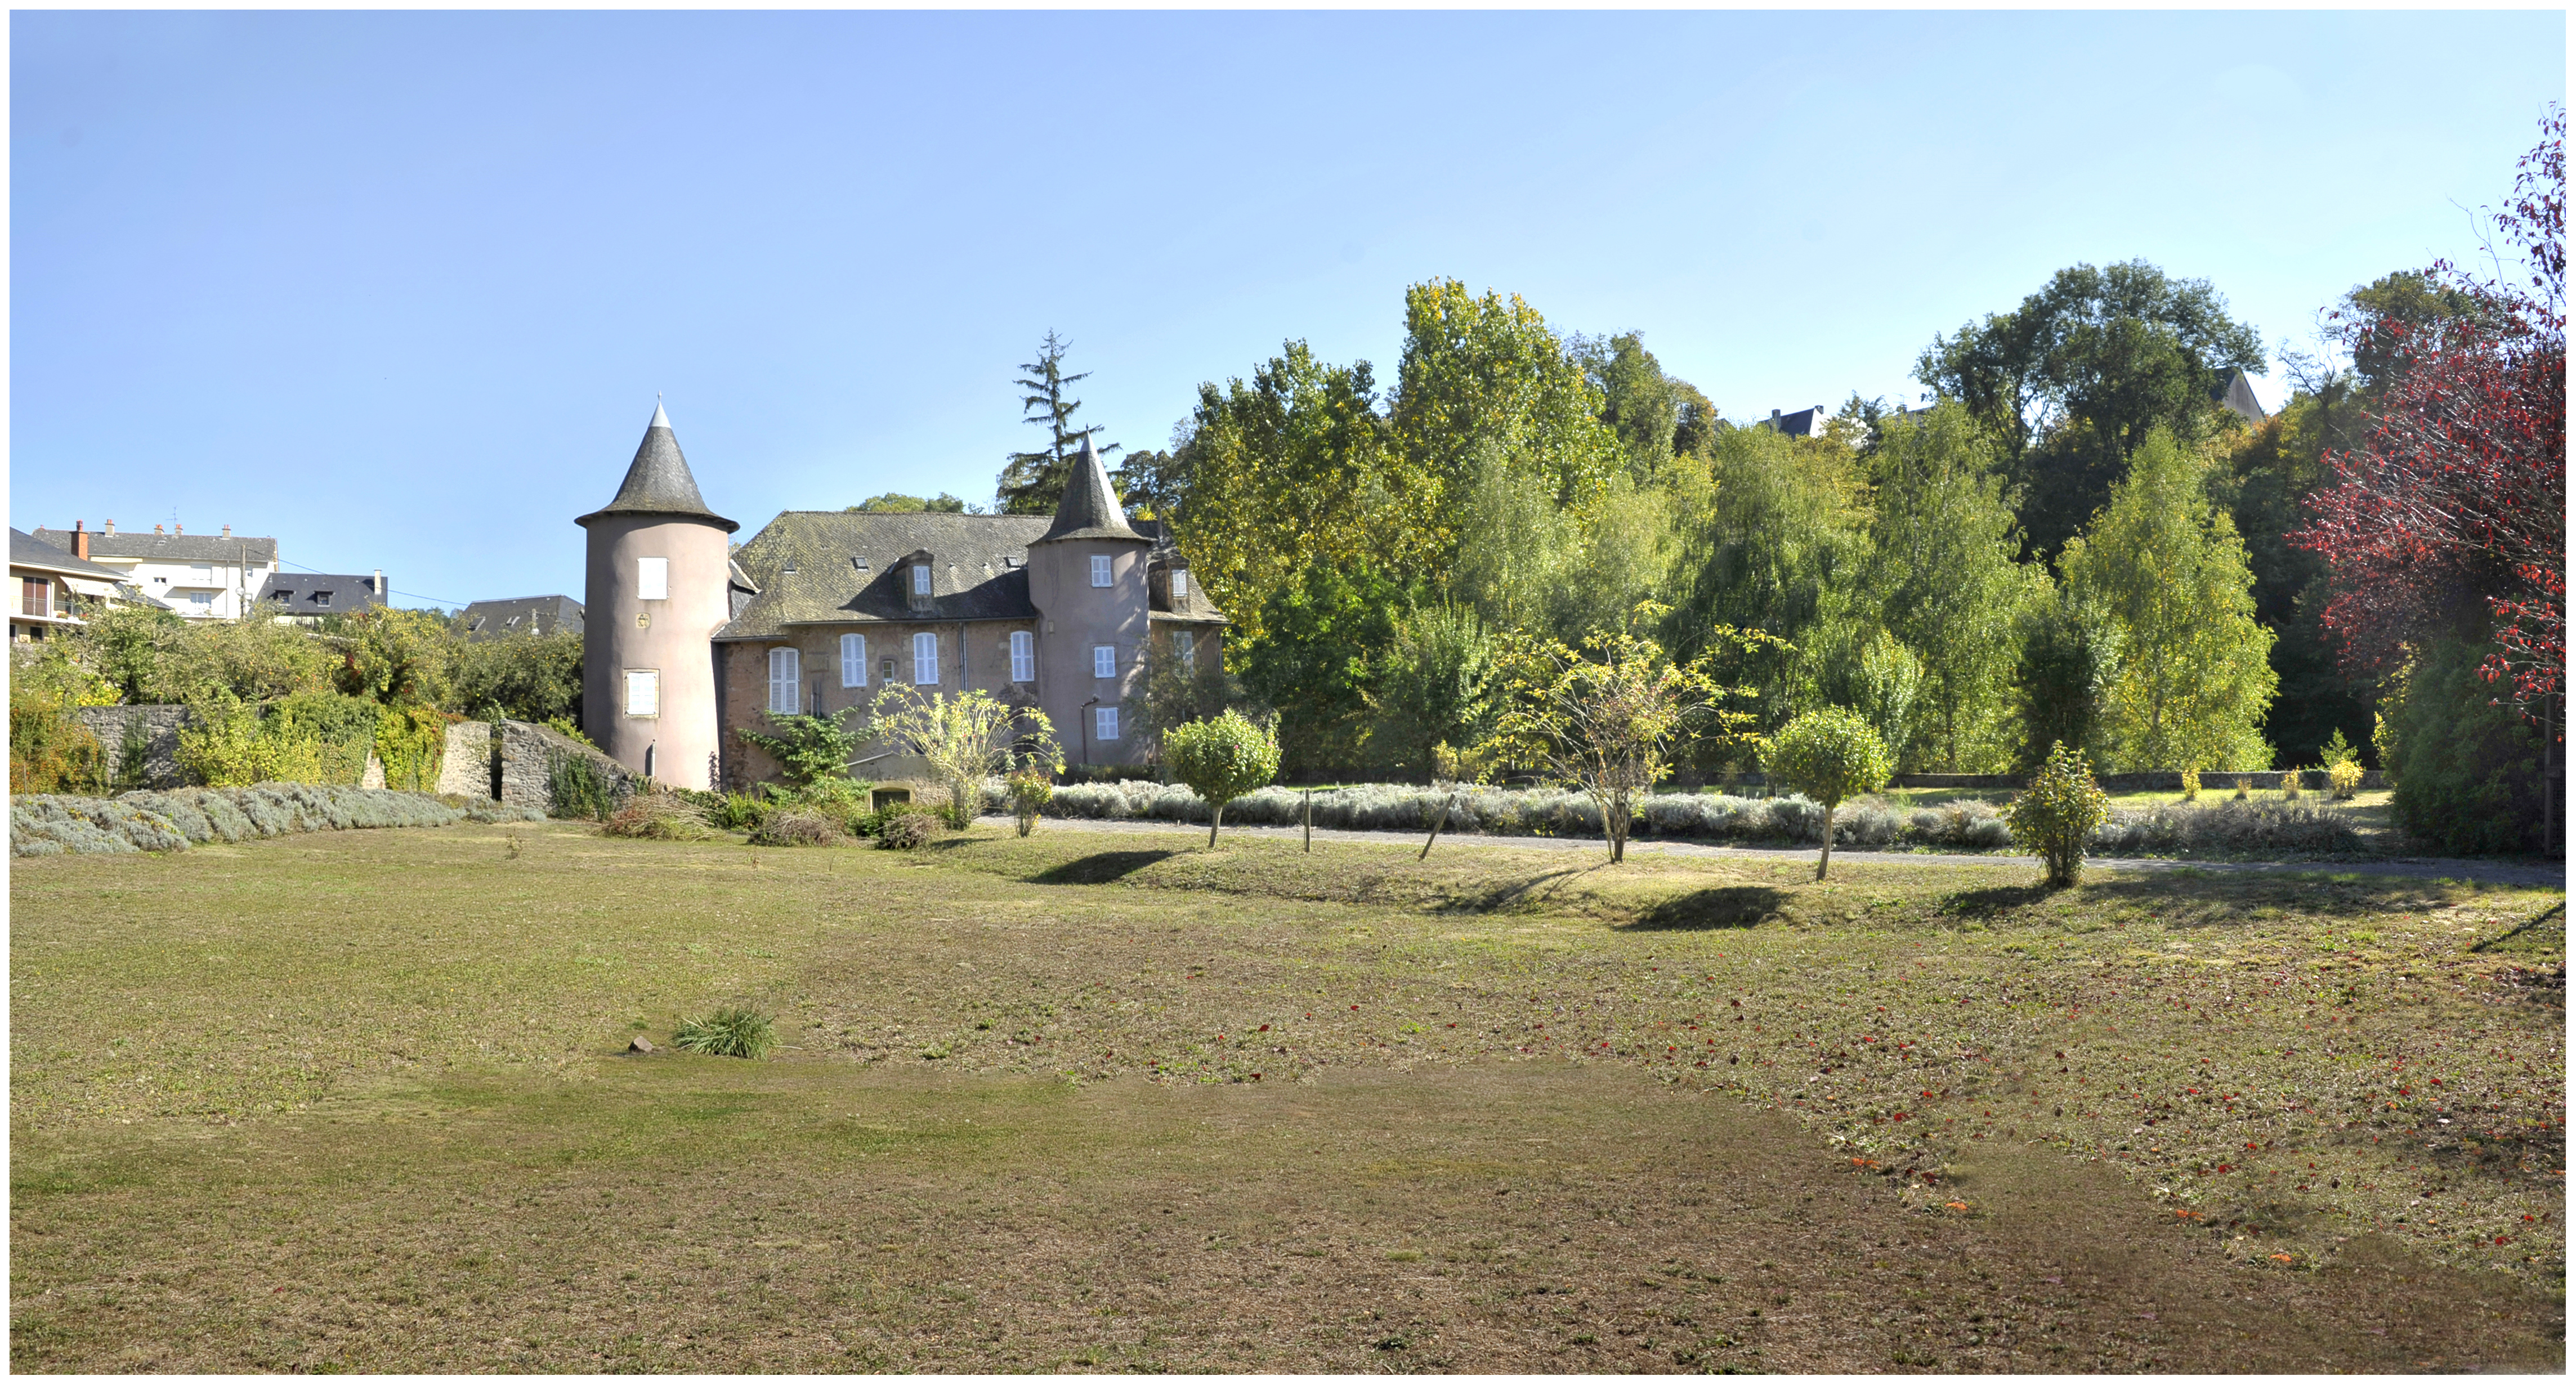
x=1775, y=418
x=228, y=531
x=80, y=539
x=110, y=530
x=177, y=528
x=379, y=584
x=159, y=530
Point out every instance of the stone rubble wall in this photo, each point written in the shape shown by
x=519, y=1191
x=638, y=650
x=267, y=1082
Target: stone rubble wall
x=158, y=725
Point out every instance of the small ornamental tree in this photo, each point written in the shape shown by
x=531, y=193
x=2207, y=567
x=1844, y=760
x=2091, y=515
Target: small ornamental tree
x=1222, y=758
x=1829, y=755
x=1606, y=718
x=1032, y=786
x=809, y=749
x=2056, y=815
x=966, y=738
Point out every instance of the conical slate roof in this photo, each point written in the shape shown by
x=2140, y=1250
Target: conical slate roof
x=1090, y=509
x=659, y=482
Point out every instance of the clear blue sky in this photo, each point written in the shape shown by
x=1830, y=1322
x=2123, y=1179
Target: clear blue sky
x=399, y=288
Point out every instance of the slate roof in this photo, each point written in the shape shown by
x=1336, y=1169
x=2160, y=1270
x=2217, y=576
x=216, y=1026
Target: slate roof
x=520, y=615
x=1194, y=606
x=2234, y=392
x=850, y=566
x=1090, y=509
x=167, y=548
x=26, y=550
x=300, y=593
x=1801, y=424
x=658, y=482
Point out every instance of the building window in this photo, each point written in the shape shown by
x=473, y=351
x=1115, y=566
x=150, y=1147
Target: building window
x=203, y=574
x=854, y=661
x=784, y=676
x=1180, y=586
x=321, y=598
x=921, y=579
x=1100, y=569
x=1104, y=661
x=1185, y=648
x=1024, y=657
x=37, y=597
x=643, y=692
x=885, y=668
x=1104, y=723
x=653, y=579
x=925, y=660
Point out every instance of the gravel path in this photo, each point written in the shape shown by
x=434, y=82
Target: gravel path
x=2419, y=867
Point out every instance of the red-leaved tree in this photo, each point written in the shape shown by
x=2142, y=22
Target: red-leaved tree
x=2458, y=501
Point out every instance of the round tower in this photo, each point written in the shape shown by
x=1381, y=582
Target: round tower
x=654, y=593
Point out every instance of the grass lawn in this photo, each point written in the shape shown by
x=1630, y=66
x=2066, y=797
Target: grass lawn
x=357, y=1101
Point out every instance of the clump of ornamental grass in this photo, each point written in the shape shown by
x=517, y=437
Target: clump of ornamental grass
x=2057, y=814
x=796, y=826
x=1030, y=788
x=657, y=817
x=906, y=826
x=2191, y=786
x=2343, y=777
x=735, y=1031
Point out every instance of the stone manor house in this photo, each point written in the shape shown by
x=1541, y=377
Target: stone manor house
x=690, y=637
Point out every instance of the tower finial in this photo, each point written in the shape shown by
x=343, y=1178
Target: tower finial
x=660, y=419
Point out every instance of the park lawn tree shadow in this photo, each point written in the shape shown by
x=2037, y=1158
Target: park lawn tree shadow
x=1724, y=906
x=1099, y=868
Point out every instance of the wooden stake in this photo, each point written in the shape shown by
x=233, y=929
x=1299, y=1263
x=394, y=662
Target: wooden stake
x=1441, y=822
x=1310, y=822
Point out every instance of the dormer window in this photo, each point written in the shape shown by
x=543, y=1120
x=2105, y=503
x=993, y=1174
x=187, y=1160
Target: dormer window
x=1180, y=585
x=1100, y=569
x=921, y=579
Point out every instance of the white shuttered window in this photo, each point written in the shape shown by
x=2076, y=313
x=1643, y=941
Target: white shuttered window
x=1104, y=723
x=784, y=680
x=1024, y=657
x=653, y=579
x=1185, y=648
x=854, y=661
x=1104, y=661
x=925, y=659
x=1100, y=569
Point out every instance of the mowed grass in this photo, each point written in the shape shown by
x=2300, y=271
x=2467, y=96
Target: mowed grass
x=1077, y=1101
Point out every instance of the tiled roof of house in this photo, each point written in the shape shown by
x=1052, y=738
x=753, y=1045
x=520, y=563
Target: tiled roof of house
x=28, y=551
x=317, y=593
x=520, y=615
x=833, y=566
x=1090, y=509
x=658, y=482
x=167, y=548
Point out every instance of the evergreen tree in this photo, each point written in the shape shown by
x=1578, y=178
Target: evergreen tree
x=1032, y=483
x=2167, y=569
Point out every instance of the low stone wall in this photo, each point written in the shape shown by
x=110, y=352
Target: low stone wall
x=159, y=727
x=465, y=766
x=526, y=758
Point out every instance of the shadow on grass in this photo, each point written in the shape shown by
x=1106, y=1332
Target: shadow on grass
x=1100, y=867
x=2557, y=911
x=1727, y=906
x=1515, y=894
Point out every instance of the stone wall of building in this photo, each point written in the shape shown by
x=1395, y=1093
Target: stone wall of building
x=159, y=728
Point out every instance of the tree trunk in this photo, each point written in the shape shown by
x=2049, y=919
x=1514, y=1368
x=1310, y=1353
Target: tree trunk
x=1827, y=858
x=1216, y=814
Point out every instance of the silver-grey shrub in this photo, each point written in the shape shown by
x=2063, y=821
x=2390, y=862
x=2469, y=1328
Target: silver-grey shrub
x=170, y=820
x=1959, y=825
